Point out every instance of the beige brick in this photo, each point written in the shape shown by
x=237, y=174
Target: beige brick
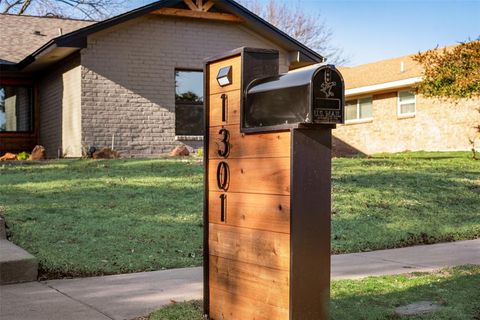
x=437, y=126
x=128, y=78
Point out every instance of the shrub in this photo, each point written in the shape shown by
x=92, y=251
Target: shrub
x=22, y=156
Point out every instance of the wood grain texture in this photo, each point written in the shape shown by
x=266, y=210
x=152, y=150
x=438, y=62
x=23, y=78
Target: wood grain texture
x=264, y=176
x=191, y=5
x=263, y=248
x=248, y=252
x=227, y=306
x=208, y=5
x=232, y=106
x=262, y=145
x=254, y=211
x=263, y=284
x=235, y=62
x=175, y=12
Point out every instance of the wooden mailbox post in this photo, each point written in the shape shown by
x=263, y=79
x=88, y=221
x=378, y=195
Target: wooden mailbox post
x=268, y=189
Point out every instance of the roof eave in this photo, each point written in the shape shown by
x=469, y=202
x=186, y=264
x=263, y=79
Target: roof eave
x=78, y=39
x=398, y=84
x=304, y=53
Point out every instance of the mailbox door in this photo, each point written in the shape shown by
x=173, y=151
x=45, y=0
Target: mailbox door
x=247, y=209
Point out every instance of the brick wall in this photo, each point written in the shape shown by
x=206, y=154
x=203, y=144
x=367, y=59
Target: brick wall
x=128, y=88
x=59, y=91
x=437, y=126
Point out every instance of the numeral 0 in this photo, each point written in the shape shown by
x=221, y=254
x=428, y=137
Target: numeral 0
x=223, y=176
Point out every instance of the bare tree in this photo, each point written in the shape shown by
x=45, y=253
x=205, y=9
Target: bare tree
x=307, y=27
x=91, y=9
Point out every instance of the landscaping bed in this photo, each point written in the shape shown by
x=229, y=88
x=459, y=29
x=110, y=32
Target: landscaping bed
x=85, y=217
x=454, y=290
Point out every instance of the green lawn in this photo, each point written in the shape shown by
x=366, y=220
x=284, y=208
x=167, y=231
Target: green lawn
x=376, y=298
x=404, y=199
x=84, y=217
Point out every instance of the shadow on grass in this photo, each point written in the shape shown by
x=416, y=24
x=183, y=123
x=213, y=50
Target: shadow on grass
x=456, y=290
x=91, y=169
x=398, y=208
x=104, y=209
x=377, y=298
x=109, y=220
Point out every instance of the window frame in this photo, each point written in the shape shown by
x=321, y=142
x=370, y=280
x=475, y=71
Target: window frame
x=399, y=105
x=358, y=119
x=11, y=82
x=183, y=137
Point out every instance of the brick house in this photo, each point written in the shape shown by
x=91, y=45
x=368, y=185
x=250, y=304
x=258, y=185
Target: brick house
x=383, y=113
x=134, y=81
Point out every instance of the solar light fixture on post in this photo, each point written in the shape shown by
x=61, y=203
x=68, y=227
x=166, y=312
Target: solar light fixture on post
x=268, y=186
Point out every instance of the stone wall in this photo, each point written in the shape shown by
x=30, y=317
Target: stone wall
x=436, y=126
x=128, y=86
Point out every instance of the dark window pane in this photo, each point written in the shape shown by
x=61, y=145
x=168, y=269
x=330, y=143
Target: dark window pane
x=188, y=86
x=16, y=110
x=188, y=103
x=406, y=96
x=188, y=120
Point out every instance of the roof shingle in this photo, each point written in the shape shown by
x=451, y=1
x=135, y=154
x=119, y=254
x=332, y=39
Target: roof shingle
x=381, y=72
x=22, y=35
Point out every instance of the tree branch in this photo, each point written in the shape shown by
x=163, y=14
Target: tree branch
x=26, y=4
x=11, y=6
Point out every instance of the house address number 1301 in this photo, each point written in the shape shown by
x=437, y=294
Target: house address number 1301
x=223, y=170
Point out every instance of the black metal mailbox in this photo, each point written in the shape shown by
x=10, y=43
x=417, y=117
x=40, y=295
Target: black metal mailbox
x=311, y=95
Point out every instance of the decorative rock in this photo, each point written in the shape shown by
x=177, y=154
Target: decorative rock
x=180, y=151
x=417, y=308
x=38, y=153
x=106, y=153
x=8, y=157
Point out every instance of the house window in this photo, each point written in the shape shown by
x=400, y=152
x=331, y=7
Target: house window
x=188, y=103
x=16, y=109
x=406, y=103
x=359, y=110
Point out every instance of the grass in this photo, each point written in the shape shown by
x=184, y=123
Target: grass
x=398, y=200
x=376, y=298
x=83, y=218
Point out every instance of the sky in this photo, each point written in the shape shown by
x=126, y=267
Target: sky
x=374, y=30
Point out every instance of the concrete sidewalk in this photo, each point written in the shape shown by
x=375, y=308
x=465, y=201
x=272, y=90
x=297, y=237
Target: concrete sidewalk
x=132, y=295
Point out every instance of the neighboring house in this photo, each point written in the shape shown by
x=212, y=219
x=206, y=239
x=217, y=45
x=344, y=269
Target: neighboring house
x=133, y=81
x=384, y=114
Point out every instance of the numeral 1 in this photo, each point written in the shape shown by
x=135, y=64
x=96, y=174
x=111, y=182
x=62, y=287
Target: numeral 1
x=223, y=207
